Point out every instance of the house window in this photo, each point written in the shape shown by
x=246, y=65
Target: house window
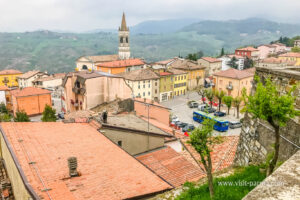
x=139, y=87
x=155, y=83
x=143, y=81
x=175, y=78
x=143, y=94
x=148, y=93
x=155, y=91
x=139, y=95
x=144, y=86
x=148, y=85
x=120, y=143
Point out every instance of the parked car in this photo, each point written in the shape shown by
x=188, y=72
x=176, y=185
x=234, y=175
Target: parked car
x=175, y=118
x=235, y=124
x=193, y=104
x=183, y=124
x=188, y=128
x=208, y=109
x=201, y=106
x=219, y=114
x=61, y=115
x=178, y=123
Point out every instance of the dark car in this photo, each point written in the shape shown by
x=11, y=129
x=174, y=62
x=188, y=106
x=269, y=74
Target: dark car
x=61, y=115
x=183, y=124
x=236, y=124
x=219, y=114
x=178, y=123
x=188, y=128
x=208, y=109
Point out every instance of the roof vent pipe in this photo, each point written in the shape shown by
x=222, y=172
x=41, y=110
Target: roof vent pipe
x=72, y=164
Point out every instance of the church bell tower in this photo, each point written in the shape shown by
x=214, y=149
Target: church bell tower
x=124, y=49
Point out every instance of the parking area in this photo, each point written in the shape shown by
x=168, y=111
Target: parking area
x=185, y=114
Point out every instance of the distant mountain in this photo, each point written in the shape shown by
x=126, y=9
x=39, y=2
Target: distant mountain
x=57, y=52
x=161, y=26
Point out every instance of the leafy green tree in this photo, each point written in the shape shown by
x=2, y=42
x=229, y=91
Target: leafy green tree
x=195, y=56
x=3, y=108
x=219, y=95
x=49, y=114
x=267, y=103
x=21, y=116
x=248, y=63
x=237, y=102
x=209, y=93
x=296, y=49
x=201, y=139
x=233, y=63
x=5, y=117
x=228, y=102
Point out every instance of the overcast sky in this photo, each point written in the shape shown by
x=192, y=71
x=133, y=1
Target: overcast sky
x=84, y=15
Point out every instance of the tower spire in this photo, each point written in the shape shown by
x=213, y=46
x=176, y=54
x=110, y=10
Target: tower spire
x=123, y=24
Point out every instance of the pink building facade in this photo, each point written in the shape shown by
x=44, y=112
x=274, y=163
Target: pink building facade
x=85, y=90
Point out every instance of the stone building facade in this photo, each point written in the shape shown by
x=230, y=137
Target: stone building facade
x=257, y=136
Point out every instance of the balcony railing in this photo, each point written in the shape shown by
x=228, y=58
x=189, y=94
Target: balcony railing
x=229, y=87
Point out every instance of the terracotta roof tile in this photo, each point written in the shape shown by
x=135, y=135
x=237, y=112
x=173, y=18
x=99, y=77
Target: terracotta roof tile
x=107, y=171
x=171, y=166
x=186, y=65
x=122, y=63
x=29, y=91
x=233, y=73
x=211, y=59
x=140, y=74
x=29, y=74
x=10, y=71
x=248, y=49
x=102, y=58
x=290, y=54
x=165, y=73
x=4, y=88
x=52, y=77
x=176, y=71
x=222, y=154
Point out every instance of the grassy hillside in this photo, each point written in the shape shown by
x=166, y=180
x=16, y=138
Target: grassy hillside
x=57, y=52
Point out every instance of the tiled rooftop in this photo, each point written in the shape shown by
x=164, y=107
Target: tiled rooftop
x=140, y=74
x=222, y=155
x=29, y=91
x=107, y=172
x=248, y=49
x=211, y=59
x=171, y=166
x=234, y=74
x=4, y=88
x=10, y=71
x=186, y=65
x=290, y=54
x=102, y=58
x=29, y=74
x=122, y=63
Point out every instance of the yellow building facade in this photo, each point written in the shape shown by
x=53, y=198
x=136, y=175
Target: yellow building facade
x=9, y=77
x=179, y=82
x=291, y=57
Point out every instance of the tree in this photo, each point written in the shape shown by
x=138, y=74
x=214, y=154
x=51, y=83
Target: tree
x=219, y=95
x=49, y=114
x=201, y=92
x=201, y=139
x=233, y=63
x=3, y=108
x=248, y=63
x=222, y=52
x=195, y=56
x=296, y=49
x=267, y=103
x=209, y=95
x=21, y=116
x=5, y=117
x=237, y=102
x=228, y=102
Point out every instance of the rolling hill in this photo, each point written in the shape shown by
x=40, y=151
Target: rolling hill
x=57, y=52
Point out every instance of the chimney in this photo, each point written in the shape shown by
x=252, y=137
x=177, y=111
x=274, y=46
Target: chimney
x=72, y=164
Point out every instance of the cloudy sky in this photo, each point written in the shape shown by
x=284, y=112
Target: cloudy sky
x=84, y=15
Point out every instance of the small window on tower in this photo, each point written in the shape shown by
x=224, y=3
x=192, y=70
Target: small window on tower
x=121, y=39
x=126, y=39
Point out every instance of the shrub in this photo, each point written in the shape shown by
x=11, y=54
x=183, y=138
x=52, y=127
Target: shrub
x=21, y=116
x=49, y=114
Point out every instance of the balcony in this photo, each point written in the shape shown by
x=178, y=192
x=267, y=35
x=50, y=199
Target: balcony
x=229, y=87
x=77, y=90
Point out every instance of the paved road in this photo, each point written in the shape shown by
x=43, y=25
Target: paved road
x=185, y=114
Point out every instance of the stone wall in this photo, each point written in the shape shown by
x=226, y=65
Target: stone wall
x=257, y=137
